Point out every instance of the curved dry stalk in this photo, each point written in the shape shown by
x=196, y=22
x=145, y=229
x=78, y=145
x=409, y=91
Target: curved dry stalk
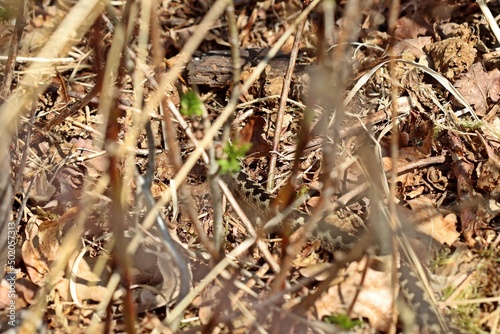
x=490, y=18
x=438, y=77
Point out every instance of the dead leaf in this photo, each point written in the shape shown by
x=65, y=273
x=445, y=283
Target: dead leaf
x=95, y=166
x=43, y=189
x=374, y=301
x=317, y=270
x=25, y=293
x=432, y=223
x=489, y=174
x=408, y=28
x=452, y=57
x=253, y=133
x=42, y=245
x=477, y=86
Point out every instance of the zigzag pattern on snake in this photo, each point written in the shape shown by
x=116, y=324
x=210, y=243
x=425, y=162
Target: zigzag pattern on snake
x=333, y=239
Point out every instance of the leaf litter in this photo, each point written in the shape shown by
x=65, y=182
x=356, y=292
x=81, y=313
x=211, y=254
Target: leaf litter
x=446, y=182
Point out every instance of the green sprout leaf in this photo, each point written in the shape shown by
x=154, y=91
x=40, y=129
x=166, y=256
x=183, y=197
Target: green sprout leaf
x=343, y=320
x=191, y=104
x=233, y=152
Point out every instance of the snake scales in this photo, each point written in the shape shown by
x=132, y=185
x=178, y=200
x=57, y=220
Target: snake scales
x=427, y=317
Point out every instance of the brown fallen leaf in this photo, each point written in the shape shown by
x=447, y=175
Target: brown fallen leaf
x=477, y=86
x=452, y=56
x=43, y=189
x=317, y=270
x=489, y=174
x=25, y=293
x=408, y=28
x=95, y=166
x=42, y=245
x=429, y=221
x=253, y=133
x=374, y=301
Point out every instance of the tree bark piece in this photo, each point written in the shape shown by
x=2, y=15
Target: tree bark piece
x=213, y=70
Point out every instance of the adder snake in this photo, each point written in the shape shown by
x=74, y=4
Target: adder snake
x=427, y=317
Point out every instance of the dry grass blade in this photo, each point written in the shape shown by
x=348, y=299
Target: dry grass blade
x=491, y=20
x=441, y=79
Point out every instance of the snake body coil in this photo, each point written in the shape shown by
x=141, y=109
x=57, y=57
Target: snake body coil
x=258, y=203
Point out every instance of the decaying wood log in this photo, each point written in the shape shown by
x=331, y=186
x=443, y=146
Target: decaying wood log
x=214, y=70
